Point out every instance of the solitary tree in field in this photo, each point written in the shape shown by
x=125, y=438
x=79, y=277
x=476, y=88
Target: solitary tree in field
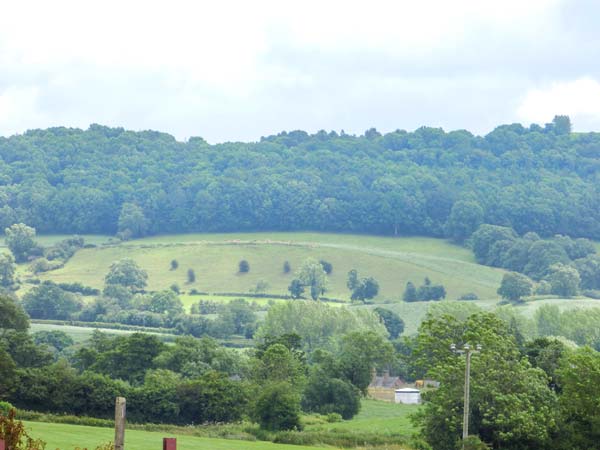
x=353, y=281
x=327, y=266
x=410, y=293
x=367, y=289
x=312, y=275
x=514, y=286
x=191, y=276
x=296, y=288
x=286, y=267
x=127, y=273
x=244, y=266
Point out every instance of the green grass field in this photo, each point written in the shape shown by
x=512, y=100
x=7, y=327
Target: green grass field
x=67, y=437
x=215, y=257
x=376, y=416
x=82, y=334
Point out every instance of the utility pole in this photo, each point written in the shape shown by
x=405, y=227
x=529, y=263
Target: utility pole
x=468, y=352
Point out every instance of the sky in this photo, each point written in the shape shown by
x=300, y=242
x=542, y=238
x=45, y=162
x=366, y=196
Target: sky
x=239, y=70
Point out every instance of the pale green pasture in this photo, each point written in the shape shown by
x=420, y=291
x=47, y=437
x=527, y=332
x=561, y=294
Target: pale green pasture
x=392, y=261
x=82, y=334
x=376, y=416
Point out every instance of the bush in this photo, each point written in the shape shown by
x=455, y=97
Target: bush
x=474, y=443
x=592, y=293
x=79, y=288
x=175, y=288
x=244, y=266
x=278, y=408
x=174, y=264
x=334, y=418
x=331, y=395
x=5, y=407
x=43, y=265
x=287, y=268
x=469, y=296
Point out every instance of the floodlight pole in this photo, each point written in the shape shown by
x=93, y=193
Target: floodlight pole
x=468, y=351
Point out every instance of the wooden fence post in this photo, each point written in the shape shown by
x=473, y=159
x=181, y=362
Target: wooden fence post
x=120, y=423
x=169, y=444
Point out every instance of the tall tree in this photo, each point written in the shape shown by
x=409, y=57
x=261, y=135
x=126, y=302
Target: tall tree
x=513, y=416
x=7, y=270
x=312, y=275
x=127, y=273
x=132, y=222
x=514, y=286
x=20, y=240
x=465, y=217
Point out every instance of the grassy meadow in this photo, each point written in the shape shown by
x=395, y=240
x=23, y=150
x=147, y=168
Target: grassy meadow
x=83, y=334
x=214, y=258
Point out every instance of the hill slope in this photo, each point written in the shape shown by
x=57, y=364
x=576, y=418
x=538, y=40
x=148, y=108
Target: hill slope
x=214, y=258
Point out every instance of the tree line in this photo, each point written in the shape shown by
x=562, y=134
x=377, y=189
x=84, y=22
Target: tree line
x=193, y=380
x=427, y=182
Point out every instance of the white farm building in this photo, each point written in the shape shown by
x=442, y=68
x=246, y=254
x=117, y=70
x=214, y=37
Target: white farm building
x=408, y=396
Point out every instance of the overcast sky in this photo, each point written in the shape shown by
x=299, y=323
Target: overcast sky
x=239, y=70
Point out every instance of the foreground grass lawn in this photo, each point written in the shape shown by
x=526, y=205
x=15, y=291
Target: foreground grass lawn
x=67, y=437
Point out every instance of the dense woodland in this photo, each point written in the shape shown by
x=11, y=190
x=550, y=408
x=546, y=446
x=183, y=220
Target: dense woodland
x=427, y=182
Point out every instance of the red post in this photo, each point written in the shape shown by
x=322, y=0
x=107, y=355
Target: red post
x=2, y=446
x=168, y=444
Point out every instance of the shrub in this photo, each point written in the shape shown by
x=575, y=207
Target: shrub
x=592, y=293
x=244, y=266
x=474, y=443
x=5, y=407
x=334, y=418
x=43, y=265
x=469, y=296
x=287, y=268
x=174, y=264
x=175, y=288
x=78, y=287
x=13, y=433
x=261, y=287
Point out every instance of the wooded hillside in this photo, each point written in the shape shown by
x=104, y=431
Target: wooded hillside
x=427, y=182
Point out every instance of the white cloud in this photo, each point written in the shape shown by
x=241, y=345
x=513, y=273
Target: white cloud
x=579, y=99
x=235, y=69
x=19, y=105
